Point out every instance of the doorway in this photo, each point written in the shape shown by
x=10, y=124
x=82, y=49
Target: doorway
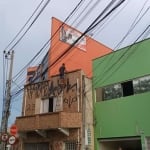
x=121, y=144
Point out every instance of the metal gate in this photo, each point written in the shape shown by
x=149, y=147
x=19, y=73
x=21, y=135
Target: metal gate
x=36, y=146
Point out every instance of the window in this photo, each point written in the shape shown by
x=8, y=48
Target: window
x=70, y=145
x=88, y=135
x=47, y=105
x=141, y=84
x=113, y=91
x=52, y=104
x=127, y=88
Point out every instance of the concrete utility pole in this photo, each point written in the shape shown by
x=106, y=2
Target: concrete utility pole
x=7, y=98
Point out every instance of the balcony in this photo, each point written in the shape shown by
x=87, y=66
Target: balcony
x=49, y=121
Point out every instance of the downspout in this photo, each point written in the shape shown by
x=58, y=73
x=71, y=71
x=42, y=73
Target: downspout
x=83, y=111
x=143, y=140
x=78, y=94
x=24, y=106
x=140, y=132
x=78, y=110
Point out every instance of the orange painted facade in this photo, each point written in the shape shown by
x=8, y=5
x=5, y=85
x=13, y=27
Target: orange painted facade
x=79, y=56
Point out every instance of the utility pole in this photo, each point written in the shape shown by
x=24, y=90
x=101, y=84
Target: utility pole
x=7, y=97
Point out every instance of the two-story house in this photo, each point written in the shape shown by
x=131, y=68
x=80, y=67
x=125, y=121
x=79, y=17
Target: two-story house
x=121, y=87
x=53, y=114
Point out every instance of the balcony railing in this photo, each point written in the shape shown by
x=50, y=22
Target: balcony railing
x=49, y=121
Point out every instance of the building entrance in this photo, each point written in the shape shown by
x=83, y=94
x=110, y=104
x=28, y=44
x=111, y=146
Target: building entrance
x=121, y=144
x=36, y=146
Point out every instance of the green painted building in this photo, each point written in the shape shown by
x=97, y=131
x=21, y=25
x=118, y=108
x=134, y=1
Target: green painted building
x=121, y=87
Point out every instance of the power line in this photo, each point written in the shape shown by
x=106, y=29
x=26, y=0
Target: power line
x=135, y=22
x=107, y=21
x=24, y=25
x=20, y=72
x=123, y=55
x=92, y=25
x=127, y=52
x=88, y=29
x=86, y=14
x=138, y=37
x=52, y=37
x=30, y=25
x=49, y=39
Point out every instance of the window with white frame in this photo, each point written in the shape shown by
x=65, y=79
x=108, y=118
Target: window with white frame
x=52, y=104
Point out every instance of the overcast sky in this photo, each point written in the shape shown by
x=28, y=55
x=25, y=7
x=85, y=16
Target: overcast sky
x=15, y=13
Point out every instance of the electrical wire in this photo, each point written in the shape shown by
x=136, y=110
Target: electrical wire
x=126, y=53
x=16, y=43
x=20, y=89
x=58, y=44
x=3, y=109
x=86, y=14
x=135, y=22
x=93, y=25
x=18, y=74
x=98, y=26
x=28, y=22
x=55, y=45
x=135, y=42
x=48, y=40
x=29, y=26
x=24, y=25
x=137, y=38
x=61, y=25
x=133, y=25
x=58, y=29
x=88, y=29
x=21, y=79
x=107, y=21
x=131, y=52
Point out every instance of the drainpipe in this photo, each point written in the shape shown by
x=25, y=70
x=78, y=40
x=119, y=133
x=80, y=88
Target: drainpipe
x=78, y=110
x=83, y=111
x=78, y=94
x=140, y=132
x=24, y=109
x=143, y=140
